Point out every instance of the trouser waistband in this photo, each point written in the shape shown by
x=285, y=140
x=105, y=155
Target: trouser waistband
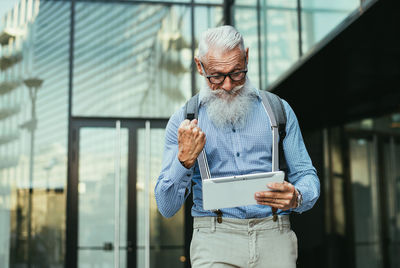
x=242, y=224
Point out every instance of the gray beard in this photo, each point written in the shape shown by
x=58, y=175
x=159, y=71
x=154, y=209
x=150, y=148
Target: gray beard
x=229, y=108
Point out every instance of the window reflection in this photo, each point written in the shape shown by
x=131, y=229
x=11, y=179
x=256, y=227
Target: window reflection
x=132, y=60
x=321, y=17
x=34, y=44
x=32, y=196
x=246, y=23
x=363, y=157
x=278, y=47
x=97, y=205
x=392, y=171
x=205, y=17
x=166, y=235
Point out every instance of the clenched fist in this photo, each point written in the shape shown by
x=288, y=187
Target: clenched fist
x=191, y=141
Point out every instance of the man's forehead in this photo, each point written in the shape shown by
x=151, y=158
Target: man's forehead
x=218, y=57
x=220, y=54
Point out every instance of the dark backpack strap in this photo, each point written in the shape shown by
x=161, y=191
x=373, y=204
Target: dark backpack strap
x=191, y=112
x=192, y=108
x=280, y=116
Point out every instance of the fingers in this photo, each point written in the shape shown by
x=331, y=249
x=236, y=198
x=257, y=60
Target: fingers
x=193, y=123
x=190, y=128
x=283, y=187
x=273, y=195
x=191, y=140
x=281, y=204
x=281, y=196
x=188, y=125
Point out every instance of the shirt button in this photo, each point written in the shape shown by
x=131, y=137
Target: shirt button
x=188, y=175
x=234, y=130
x=237, y=154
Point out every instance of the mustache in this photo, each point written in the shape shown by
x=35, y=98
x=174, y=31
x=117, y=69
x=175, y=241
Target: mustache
x=233, y=91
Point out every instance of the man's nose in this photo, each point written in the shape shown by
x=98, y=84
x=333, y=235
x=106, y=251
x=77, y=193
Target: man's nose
x=227, y=85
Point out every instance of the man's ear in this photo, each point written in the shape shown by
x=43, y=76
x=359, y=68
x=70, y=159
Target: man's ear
x=197, y=61
x=247, y=55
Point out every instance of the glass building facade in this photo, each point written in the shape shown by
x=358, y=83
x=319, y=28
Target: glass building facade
x=363, y=189
x=86, y=89
x=70, y=70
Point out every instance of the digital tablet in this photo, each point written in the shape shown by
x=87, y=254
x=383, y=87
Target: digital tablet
x=234, y=191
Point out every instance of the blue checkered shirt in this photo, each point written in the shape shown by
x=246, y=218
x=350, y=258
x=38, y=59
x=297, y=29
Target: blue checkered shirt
x=232, y=151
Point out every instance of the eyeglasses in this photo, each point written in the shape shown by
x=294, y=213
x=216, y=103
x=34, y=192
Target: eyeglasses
x=220, y=78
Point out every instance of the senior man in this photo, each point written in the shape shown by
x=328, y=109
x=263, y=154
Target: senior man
x=235, y=132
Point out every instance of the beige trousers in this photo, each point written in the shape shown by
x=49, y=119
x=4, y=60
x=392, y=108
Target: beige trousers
x=243, y=243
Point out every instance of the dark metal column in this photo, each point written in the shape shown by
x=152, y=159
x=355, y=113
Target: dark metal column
x=194, y=70
x=259, y=43
x=188, y=220
x=299, y=27
x=72, y=196
x=228, y=12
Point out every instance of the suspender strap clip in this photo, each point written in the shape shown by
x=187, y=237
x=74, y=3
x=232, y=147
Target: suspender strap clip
x=219, y=215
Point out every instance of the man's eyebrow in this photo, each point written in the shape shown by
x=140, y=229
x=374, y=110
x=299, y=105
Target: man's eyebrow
x=236, y=67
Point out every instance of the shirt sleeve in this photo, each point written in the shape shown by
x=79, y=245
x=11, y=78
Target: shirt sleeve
x=173, y=185
x=302, y=173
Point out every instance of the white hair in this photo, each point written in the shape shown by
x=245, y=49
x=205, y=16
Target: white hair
x=229, y=108
x=225, y=38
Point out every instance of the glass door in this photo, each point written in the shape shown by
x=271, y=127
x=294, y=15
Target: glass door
x=366, y=201
x=391, y=160
x=160, y=241
x=102, y=195
x=113, y=219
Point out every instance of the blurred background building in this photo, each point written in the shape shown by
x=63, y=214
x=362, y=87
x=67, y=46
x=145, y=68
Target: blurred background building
x=87, y=87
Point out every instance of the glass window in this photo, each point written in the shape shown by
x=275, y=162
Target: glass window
x=280, y=3
x=209, y=1
x=246, y=23
x=389, y=124
x=363, y=172
x=339, y=224
x=166, y=235
x=321, y=17
x=274, y=47
x=337, y=177
x=131, y=60
x=387, y=130
x=33, y=135
x=269, y=3
x=166, y=1
x=391, y=158
x=336, y=5
x=245, y=2
x=205, y=17
x=97, y=197
x=279, y=40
